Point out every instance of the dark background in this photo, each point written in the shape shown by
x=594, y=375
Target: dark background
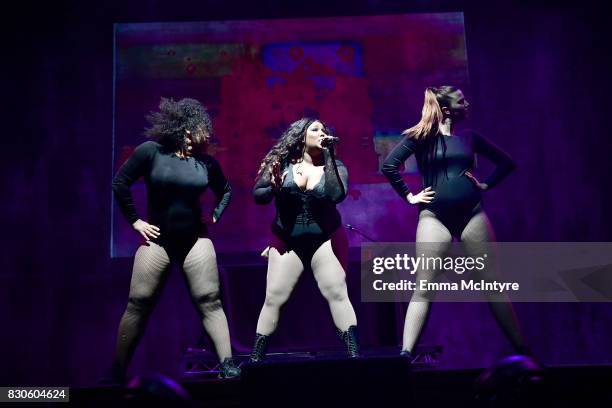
x=539, y=87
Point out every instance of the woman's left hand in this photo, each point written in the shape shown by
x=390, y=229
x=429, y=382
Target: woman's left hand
x=482, y=186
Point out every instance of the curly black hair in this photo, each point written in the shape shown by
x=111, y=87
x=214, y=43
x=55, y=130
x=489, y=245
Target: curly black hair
x=290, y=146
x=168, y=126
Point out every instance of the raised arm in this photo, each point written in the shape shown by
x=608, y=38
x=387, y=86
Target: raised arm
x=135, y=167
x=220, y=187
x=503, y=163
x=392, y=163
x=336, y=177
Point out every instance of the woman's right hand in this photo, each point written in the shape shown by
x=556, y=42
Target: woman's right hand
x=275, y=176
x=148, y=231
x=425, y=196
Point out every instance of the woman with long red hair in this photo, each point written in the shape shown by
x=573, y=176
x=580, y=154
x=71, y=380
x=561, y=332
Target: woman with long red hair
x=450, y=201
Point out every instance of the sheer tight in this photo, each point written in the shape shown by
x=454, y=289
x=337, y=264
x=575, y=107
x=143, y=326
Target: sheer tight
x=435, y=239
x=150, y=272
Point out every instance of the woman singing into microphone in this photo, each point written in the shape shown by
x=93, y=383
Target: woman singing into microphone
x=450, y=203
x=301, y=175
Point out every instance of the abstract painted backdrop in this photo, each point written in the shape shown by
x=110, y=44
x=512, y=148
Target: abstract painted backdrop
x=537, y=75
x=363, y=76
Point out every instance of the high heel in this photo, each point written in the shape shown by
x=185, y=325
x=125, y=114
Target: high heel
x=228, y=368
x=259, y=348
x=351, y=340
x=405, y=354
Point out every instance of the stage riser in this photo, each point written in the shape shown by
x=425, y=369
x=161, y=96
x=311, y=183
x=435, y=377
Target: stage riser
x=375, y=382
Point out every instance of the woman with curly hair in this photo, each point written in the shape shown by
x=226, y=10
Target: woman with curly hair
x=301, y=174
x=450, y=202
x=176, y=172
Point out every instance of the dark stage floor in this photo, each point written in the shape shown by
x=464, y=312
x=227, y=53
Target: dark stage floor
x=381, y=381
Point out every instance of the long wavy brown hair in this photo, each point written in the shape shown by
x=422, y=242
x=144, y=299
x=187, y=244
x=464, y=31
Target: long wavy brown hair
x=290, y=146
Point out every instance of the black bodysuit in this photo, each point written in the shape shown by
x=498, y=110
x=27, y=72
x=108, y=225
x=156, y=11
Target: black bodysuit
x=305, y=219
x=442, y=161
x=174, y=186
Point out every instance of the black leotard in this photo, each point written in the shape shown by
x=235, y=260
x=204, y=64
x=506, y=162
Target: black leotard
x=456, y=196
x=174, y=186
x=305, y=219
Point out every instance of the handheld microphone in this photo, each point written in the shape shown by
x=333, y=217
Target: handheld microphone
x=330, y=140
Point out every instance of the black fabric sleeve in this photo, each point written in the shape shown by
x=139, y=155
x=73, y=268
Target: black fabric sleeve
x=336, y=177
x=219, y=186
x=503, y=163
x=263, y=192
x=136, y=166
x=392, y=163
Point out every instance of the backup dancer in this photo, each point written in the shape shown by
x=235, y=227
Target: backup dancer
x=450, y=203
x=176, y=172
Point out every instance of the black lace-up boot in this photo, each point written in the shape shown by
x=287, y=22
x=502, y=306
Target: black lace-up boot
x=407, y=355
x=350, y=339
x=259, y=348
x=228, y=368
